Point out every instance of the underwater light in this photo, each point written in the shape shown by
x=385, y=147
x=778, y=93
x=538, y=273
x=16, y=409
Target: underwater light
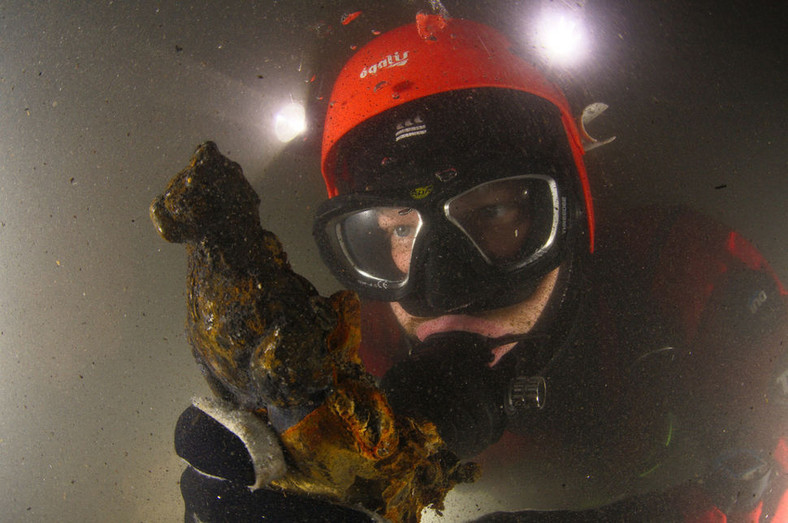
x=290, y=121
x=561, y=38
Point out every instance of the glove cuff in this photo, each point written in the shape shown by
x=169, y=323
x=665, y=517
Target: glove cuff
x=228, y=443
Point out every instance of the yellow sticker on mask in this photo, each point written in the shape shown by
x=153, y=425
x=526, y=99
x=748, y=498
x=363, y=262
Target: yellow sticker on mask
x=421, y=192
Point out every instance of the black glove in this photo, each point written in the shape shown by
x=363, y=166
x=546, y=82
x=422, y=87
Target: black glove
x=447, y=381
x=232, y=455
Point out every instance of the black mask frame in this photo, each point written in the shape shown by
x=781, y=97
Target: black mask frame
x=448, y=274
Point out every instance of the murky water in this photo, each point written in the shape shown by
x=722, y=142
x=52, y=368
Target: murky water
x=101, y=103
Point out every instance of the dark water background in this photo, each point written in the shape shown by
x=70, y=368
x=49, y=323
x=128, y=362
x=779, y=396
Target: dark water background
x=101, y=102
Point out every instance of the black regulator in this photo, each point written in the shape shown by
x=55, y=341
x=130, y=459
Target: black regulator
x=448, y=380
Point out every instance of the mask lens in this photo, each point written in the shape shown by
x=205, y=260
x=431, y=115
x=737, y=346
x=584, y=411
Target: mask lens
x=511, y=221
x=379, y=241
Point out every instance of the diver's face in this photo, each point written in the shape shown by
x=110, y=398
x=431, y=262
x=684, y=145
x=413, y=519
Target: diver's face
x=496, y=216
x=515, y=319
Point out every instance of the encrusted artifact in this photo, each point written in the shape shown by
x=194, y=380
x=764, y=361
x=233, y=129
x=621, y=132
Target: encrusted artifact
x=267, y=342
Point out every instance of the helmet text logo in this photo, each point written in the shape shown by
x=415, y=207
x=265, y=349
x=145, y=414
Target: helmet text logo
x=388, y=61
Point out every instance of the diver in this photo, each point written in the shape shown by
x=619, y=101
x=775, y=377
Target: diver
x=600, y=364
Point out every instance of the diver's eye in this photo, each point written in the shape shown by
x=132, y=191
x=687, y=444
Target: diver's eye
x=402, y=231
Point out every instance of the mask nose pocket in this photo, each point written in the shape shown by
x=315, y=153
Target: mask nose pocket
x=450, y=281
